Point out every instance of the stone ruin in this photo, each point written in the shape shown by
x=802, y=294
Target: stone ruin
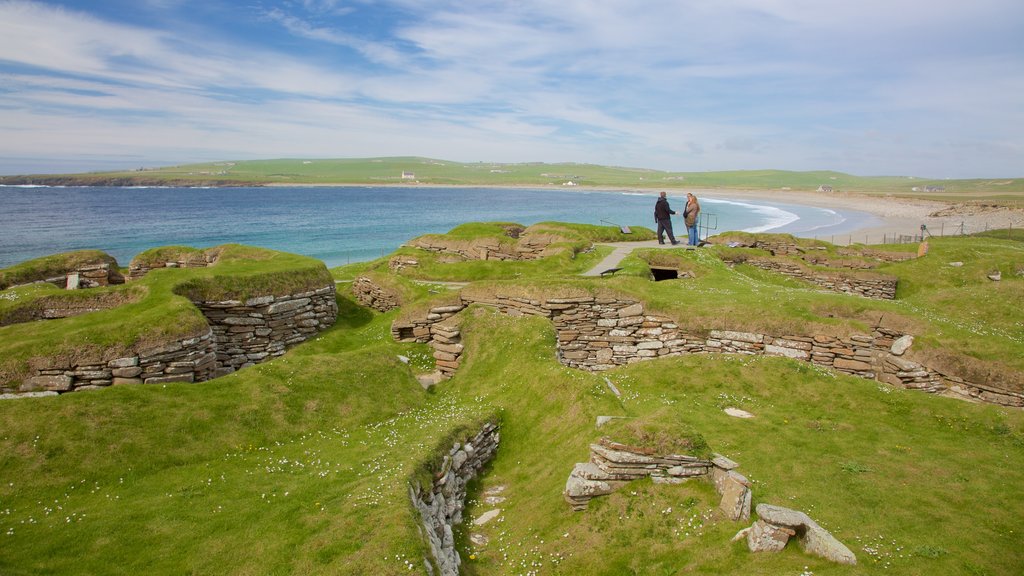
x=440, y=504
x=372, y=295
x=776, y=525
x=600, y=333
x=529, y=245
x=138, y=267
x=613, y=465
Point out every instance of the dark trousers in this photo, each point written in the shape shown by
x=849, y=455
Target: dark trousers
x=665, y=226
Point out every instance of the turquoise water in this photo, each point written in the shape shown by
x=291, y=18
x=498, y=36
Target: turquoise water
x=338, y=224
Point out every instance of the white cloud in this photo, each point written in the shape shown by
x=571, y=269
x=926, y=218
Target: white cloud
x=676, y=84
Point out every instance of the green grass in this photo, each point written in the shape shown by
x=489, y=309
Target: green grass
x=154, y=310
x=46, y=267
x=300, y=465
x=386, y=171
x=574, y=253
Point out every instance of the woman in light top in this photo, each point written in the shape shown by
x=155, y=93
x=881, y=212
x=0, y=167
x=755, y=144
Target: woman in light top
x=690, y=216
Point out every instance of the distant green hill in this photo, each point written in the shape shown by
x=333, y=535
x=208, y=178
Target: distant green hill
x=415, y=170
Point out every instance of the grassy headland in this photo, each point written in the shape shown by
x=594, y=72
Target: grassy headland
x=426, y=171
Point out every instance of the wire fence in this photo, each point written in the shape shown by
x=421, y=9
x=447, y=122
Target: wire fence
x=708, y=226
x=922, y=233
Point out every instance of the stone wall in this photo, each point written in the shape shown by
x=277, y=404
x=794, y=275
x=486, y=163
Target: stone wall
x=186, y=360
x=250, y=332
x=241, y=334
x=92, y=276
x=874, y=286
x=371, y=295
x=441, y=503
x=612, y=465
x=55, y=308
x=137, y=270
x=601, y=333
x=528, y=246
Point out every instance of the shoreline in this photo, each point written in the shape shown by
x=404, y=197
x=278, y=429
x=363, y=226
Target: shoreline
x=898, y=216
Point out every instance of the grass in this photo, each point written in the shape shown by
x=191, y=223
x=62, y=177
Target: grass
x=154, y=310
x=572, y=243
x=40, y=269
x=306, y=459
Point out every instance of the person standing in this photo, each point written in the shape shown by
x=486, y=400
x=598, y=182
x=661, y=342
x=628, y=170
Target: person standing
x=663, y=217
x=690, y=217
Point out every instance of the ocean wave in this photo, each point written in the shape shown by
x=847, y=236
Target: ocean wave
x=837, y=219
x=774, y=217
x=29, y=186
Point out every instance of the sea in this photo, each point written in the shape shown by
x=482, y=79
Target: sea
x=341, y=225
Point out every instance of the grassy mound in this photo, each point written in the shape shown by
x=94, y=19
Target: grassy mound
x=40, y=269
x=307, y=458
x=145, y=313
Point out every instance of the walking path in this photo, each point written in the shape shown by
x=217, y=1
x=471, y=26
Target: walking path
x=621, y=250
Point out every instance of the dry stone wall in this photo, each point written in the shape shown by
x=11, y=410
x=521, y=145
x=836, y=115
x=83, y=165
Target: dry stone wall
x=441, y=503
x=186, y=360
x=370, y=294
x=250, y=332
x=137, y=270
x=876, y=286
x=599, y=333
x=241, y=334
x=612, y=465
x=528, y=246
x=92, y=276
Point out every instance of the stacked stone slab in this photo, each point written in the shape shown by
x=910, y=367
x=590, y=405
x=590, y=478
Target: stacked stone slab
x=776, y=525
x=137, y=270
x=441, y=503
x=446, y=340
x=599, y=333
x=370, y=294
x=93, y=276
x=187, y=360
x=397, y=263
x=613, y=465
x=875, y=285
x=259, y=328
x=241, y=334
x=529, y=246
x=418, y=330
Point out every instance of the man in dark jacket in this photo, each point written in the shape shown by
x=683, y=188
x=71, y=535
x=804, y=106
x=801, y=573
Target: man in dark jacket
x=663, y=217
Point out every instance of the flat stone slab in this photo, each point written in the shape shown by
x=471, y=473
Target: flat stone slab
x=737, y=413
x=486, y=517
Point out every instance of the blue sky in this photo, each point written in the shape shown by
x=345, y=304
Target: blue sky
x=871, y=87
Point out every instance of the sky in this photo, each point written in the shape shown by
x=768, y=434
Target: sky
x=926, y=88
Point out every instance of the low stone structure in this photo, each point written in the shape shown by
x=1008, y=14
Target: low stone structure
x=529, y=245
x=250, y=332
x=441, y=503
x=137, y=268
x=241, y=334
x=870, y=285
x=372, y=295
x=92, y=276
x=613, y=465
x=776, y=525
x=598, y=333
x=187, y=360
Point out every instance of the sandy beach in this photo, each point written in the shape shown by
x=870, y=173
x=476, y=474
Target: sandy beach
x=899, y=216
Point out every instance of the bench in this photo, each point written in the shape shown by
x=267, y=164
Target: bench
x=610, y=272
